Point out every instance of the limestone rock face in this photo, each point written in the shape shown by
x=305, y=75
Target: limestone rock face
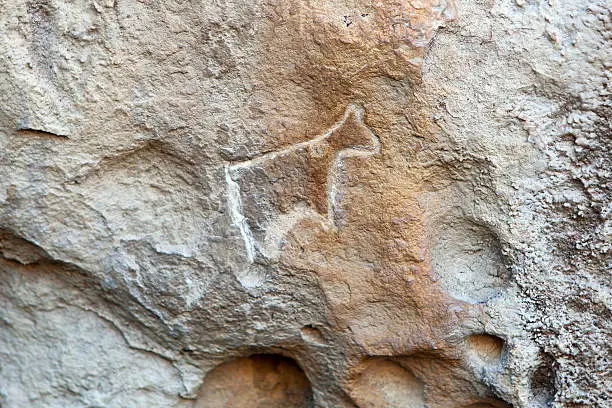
x=291, y=203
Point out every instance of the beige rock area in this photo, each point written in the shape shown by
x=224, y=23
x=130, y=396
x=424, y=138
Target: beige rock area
x=305, y=203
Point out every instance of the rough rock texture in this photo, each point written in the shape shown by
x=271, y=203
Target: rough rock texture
x=287, y=203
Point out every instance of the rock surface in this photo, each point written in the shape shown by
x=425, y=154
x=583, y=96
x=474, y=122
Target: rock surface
x=285, y=203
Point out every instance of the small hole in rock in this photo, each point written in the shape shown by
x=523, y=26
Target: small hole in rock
x=485, y=349
x=258, y=381
x=311, y=334
x=384, y=383
x=543, y=388
x=468, y=258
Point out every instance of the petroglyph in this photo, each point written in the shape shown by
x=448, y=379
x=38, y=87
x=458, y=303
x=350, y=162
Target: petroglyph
x=195, y=210
x=269, y=194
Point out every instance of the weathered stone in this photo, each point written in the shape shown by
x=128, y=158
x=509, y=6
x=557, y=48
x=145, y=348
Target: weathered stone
x=256, y=381
x=305, y=203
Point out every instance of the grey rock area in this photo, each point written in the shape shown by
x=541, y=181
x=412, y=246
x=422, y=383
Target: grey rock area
x=291, y=203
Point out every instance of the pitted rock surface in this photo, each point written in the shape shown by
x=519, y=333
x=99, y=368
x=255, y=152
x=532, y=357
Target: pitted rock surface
x=323, y=203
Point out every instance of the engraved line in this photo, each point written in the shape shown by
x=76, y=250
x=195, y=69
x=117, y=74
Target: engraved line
x=238, y=220
x=272, y=155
